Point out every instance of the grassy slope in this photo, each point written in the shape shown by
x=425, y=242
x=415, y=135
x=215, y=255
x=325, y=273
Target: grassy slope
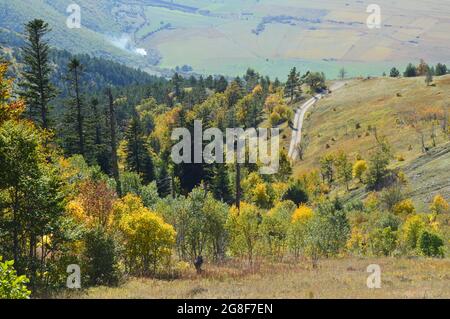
x=383, y=103
x=346, y=278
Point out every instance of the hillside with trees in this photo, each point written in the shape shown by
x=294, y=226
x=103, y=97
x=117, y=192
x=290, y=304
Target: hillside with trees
x=87, y=179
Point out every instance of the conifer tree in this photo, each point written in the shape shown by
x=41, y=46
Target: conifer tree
x=138, y=157
x=293, y=84
x=76, y=103
x=37, y=90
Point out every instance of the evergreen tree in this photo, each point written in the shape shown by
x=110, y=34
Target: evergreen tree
x=177, y=83
x=36, y=87
x=220, y=183
x=221, y=85
x=411, y=71
x=441, y=69
x=113, y=140
x=293, y=84
x=164, y=181
x=394, y=73
x=138, y=157
x=76, y=103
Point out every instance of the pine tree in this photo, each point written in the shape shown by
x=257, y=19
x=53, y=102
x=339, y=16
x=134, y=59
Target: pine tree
x=113, y=139
x=220, y=183
x=293, y=84
x=164, y=182
x=37, y=89
x=138, y=157
x=394, y=73
x=76, y=104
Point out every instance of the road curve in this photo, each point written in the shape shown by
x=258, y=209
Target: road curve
x=300, y=117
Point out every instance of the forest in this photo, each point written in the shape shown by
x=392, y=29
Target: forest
x=86, y=177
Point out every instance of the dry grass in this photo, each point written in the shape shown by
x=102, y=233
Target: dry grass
x=342, y=278
x=345, y=121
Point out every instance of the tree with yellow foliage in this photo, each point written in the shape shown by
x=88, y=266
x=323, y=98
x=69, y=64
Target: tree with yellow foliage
x=147, y=238
x=439, y=205
x=411, y=230
x=8, y=109
x=244, y=230
x=359, y=168
x=275, y=228
x=297, y=228
x=404, y=208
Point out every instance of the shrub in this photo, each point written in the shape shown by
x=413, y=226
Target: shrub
x=430, y=244
x=101, y=257
x=243, y=226
x=357, y=242
x=296, y=193
x=392, y=196
x=359, y=168
x=439, y=205
x=148, y=240
x=388, y=220
x=404, y=208
x=411, y=230
x=297, y=229
x=11, y=285
x=382, y=242
x=327, y=232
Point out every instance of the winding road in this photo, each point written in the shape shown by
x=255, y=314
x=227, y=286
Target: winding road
x=300, y=118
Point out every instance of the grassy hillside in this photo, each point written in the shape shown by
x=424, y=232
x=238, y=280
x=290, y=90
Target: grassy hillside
x=346, y=119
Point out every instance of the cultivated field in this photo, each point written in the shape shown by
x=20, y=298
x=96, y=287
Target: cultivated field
x=227, y=37
x=343, y=278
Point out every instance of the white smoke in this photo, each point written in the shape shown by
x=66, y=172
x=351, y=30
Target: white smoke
x=125, y=43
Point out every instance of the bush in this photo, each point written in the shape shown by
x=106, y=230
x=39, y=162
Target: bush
x=11, y=285
x=148, y=239
x=404, y=208
x=382, y=242
x=359, y=168
x=296, y=193
x=327, y=232
x=100, y=258
x=297, y=229
x=393, y=196
x=439, y=205
x=411, y=231
x=430, y=244
x=244, y=229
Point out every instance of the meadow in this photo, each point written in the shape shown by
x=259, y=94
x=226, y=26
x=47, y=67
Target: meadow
x=334, y=278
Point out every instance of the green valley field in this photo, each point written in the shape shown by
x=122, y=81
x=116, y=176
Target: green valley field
x=227, y=37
